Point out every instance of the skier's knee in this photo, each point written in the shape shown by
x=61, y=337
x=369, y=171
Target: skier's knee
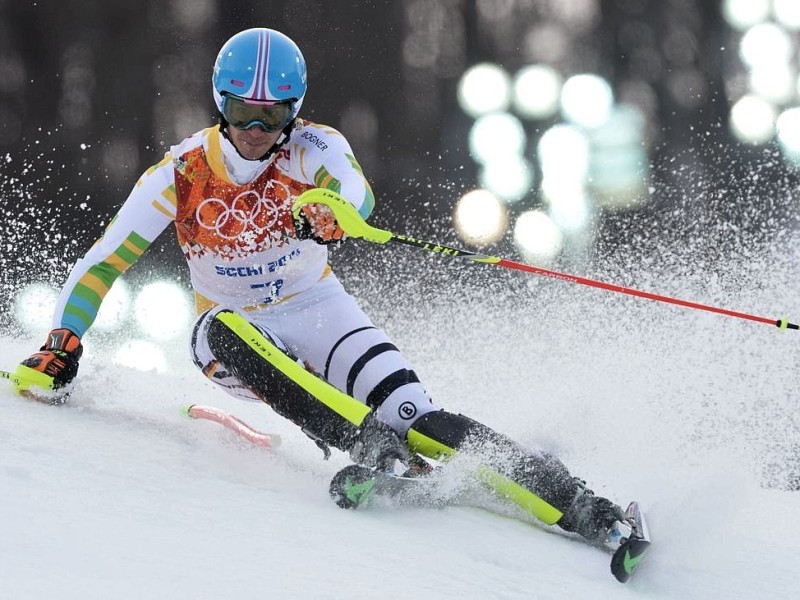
x=400, y=401
x=275, y=376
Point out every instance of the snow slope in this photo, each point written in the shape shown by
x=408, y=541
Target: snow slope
x=119, y=496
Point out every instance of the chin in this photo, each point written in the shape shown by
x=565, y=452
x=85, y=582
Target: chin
x=251, y=151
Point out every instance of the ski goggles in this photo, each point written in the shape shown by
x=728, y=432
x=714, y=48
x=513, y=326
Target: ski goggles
x=244, y=114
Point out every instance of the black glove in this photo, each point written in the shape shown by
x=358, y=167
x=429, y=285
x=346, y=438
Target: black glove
x=58, y=358
x=376, y=445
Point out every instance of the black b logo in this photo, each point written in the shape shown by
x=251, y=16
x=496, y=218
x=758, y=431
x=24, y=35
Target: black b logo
x=407, y=411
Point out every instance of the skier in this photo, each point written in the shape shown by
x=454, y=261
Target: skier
x=275, y=324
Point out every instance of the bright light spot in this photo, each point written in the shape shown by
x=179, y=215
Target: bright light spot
x=764, y=44
x=563, y=152
x=537, y=237
x=480, y=217
x=787, y=12
x=484, y=88
x=773, y=81
x=537, y=89
x=34, y=307
x=569, y=204
x=586, y=100
x=510, y=177
x=496, y=134
x=141, y=355
x=741, y=14
x=788, y=126
x=162, y=310
x=753, y=120
x=619, y=165
x=115, y=307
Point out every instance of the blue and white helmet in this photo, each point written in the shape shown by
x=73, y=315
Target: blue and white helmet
x=260, y=64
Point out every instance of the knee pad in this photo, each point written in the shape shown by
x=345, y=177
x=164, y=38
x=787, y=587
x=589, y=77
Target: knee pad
x=277, y=378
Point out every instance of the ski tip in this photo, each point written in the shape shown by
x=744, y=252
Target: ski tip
x=627, y=558
x=186, y=410
x=353, y=486
x=631, y=552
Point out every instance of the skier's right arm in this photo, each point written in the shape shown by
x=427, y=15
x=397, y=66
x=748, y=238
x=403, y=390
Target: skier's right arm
x=149, y=209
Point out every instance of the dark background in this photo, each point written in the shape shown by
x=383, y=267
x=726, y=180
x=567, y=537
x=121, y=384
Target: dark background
x=92, y=92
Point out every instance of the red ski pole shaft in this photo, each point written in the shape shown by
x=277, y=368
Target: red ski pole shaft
x=782, y=323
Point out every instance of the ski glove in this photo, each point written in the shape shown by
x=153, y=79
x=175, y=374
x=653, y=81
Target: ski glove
x=58, y=358
x=318, y=223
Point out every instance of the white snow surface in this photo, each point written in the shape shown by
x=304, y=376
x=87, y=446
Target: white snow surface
x=118, y=495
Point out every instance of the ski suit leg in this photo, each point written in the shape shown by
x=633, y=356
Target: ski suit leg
x=334, y=338
x=251, y=363
x=321, y=331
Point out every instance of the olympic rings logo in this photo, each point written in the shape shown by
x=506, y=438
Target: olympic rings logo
x=249, y=210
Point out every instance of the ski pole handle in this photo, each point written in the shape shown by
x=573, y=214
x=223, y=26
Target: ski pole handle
x=25, y=378
x=345, y=213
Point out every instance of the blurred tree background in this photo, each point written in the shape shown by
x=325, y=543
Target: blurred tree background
x=93, y=92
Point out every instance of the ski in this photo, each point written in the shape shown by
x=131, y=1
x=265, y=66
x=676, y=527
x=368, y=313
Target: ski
x=239, y=427
x=356, y=486
x=632, y=550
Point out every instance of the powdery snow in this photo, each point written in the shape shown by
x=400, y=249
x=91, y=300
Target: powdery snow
x=120, y=496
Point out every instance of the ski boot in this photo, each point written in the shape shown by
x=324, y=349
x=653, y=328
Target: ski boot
x=592, y=517
x=377, y=446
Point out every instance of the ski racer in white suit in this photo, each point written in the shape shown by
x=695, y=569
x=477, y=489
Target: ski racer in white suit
x=262, y=283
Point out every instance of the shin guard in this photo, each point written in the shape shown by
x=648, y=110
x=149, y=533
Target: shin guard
x=537, y=482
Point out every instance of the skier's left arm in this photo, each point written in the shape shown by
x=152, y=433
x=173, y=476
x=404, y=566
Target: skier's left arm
x=326, y=160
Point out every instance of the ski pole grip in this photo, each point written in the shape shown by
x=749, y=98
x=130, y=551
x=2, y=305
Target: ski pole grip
x=345, y=213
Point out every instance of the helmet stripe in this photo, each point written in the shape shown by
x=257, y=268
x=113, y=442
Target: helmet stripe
x=262, y=67
x=259, y=68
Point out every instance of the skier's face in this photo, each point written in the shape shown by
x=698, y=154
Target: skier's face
x=253, y=143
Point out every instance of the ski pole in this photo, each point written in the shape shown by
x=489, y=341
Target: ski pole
x=354, y=226
x=239, y=427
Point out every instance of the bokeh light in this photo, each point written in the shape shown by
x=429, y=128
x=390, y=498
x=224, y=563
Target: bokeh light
x=537, y=90
x=563, y=152
x=162, y=310
x=116, y=307
x=34, y=307
x=484, y=88
x=480, y=217
x=742, y=14
x=753, y=119
x=496, y=135
x=141, y=355
x=511, y=178
x=787, y=13
x=586, y=100
x=765, y=43
x=537, y=237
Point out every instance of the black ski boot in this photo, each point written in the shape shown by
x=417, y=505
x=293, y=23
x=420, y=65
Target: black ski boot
x=592, y=517
x=377, y=446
